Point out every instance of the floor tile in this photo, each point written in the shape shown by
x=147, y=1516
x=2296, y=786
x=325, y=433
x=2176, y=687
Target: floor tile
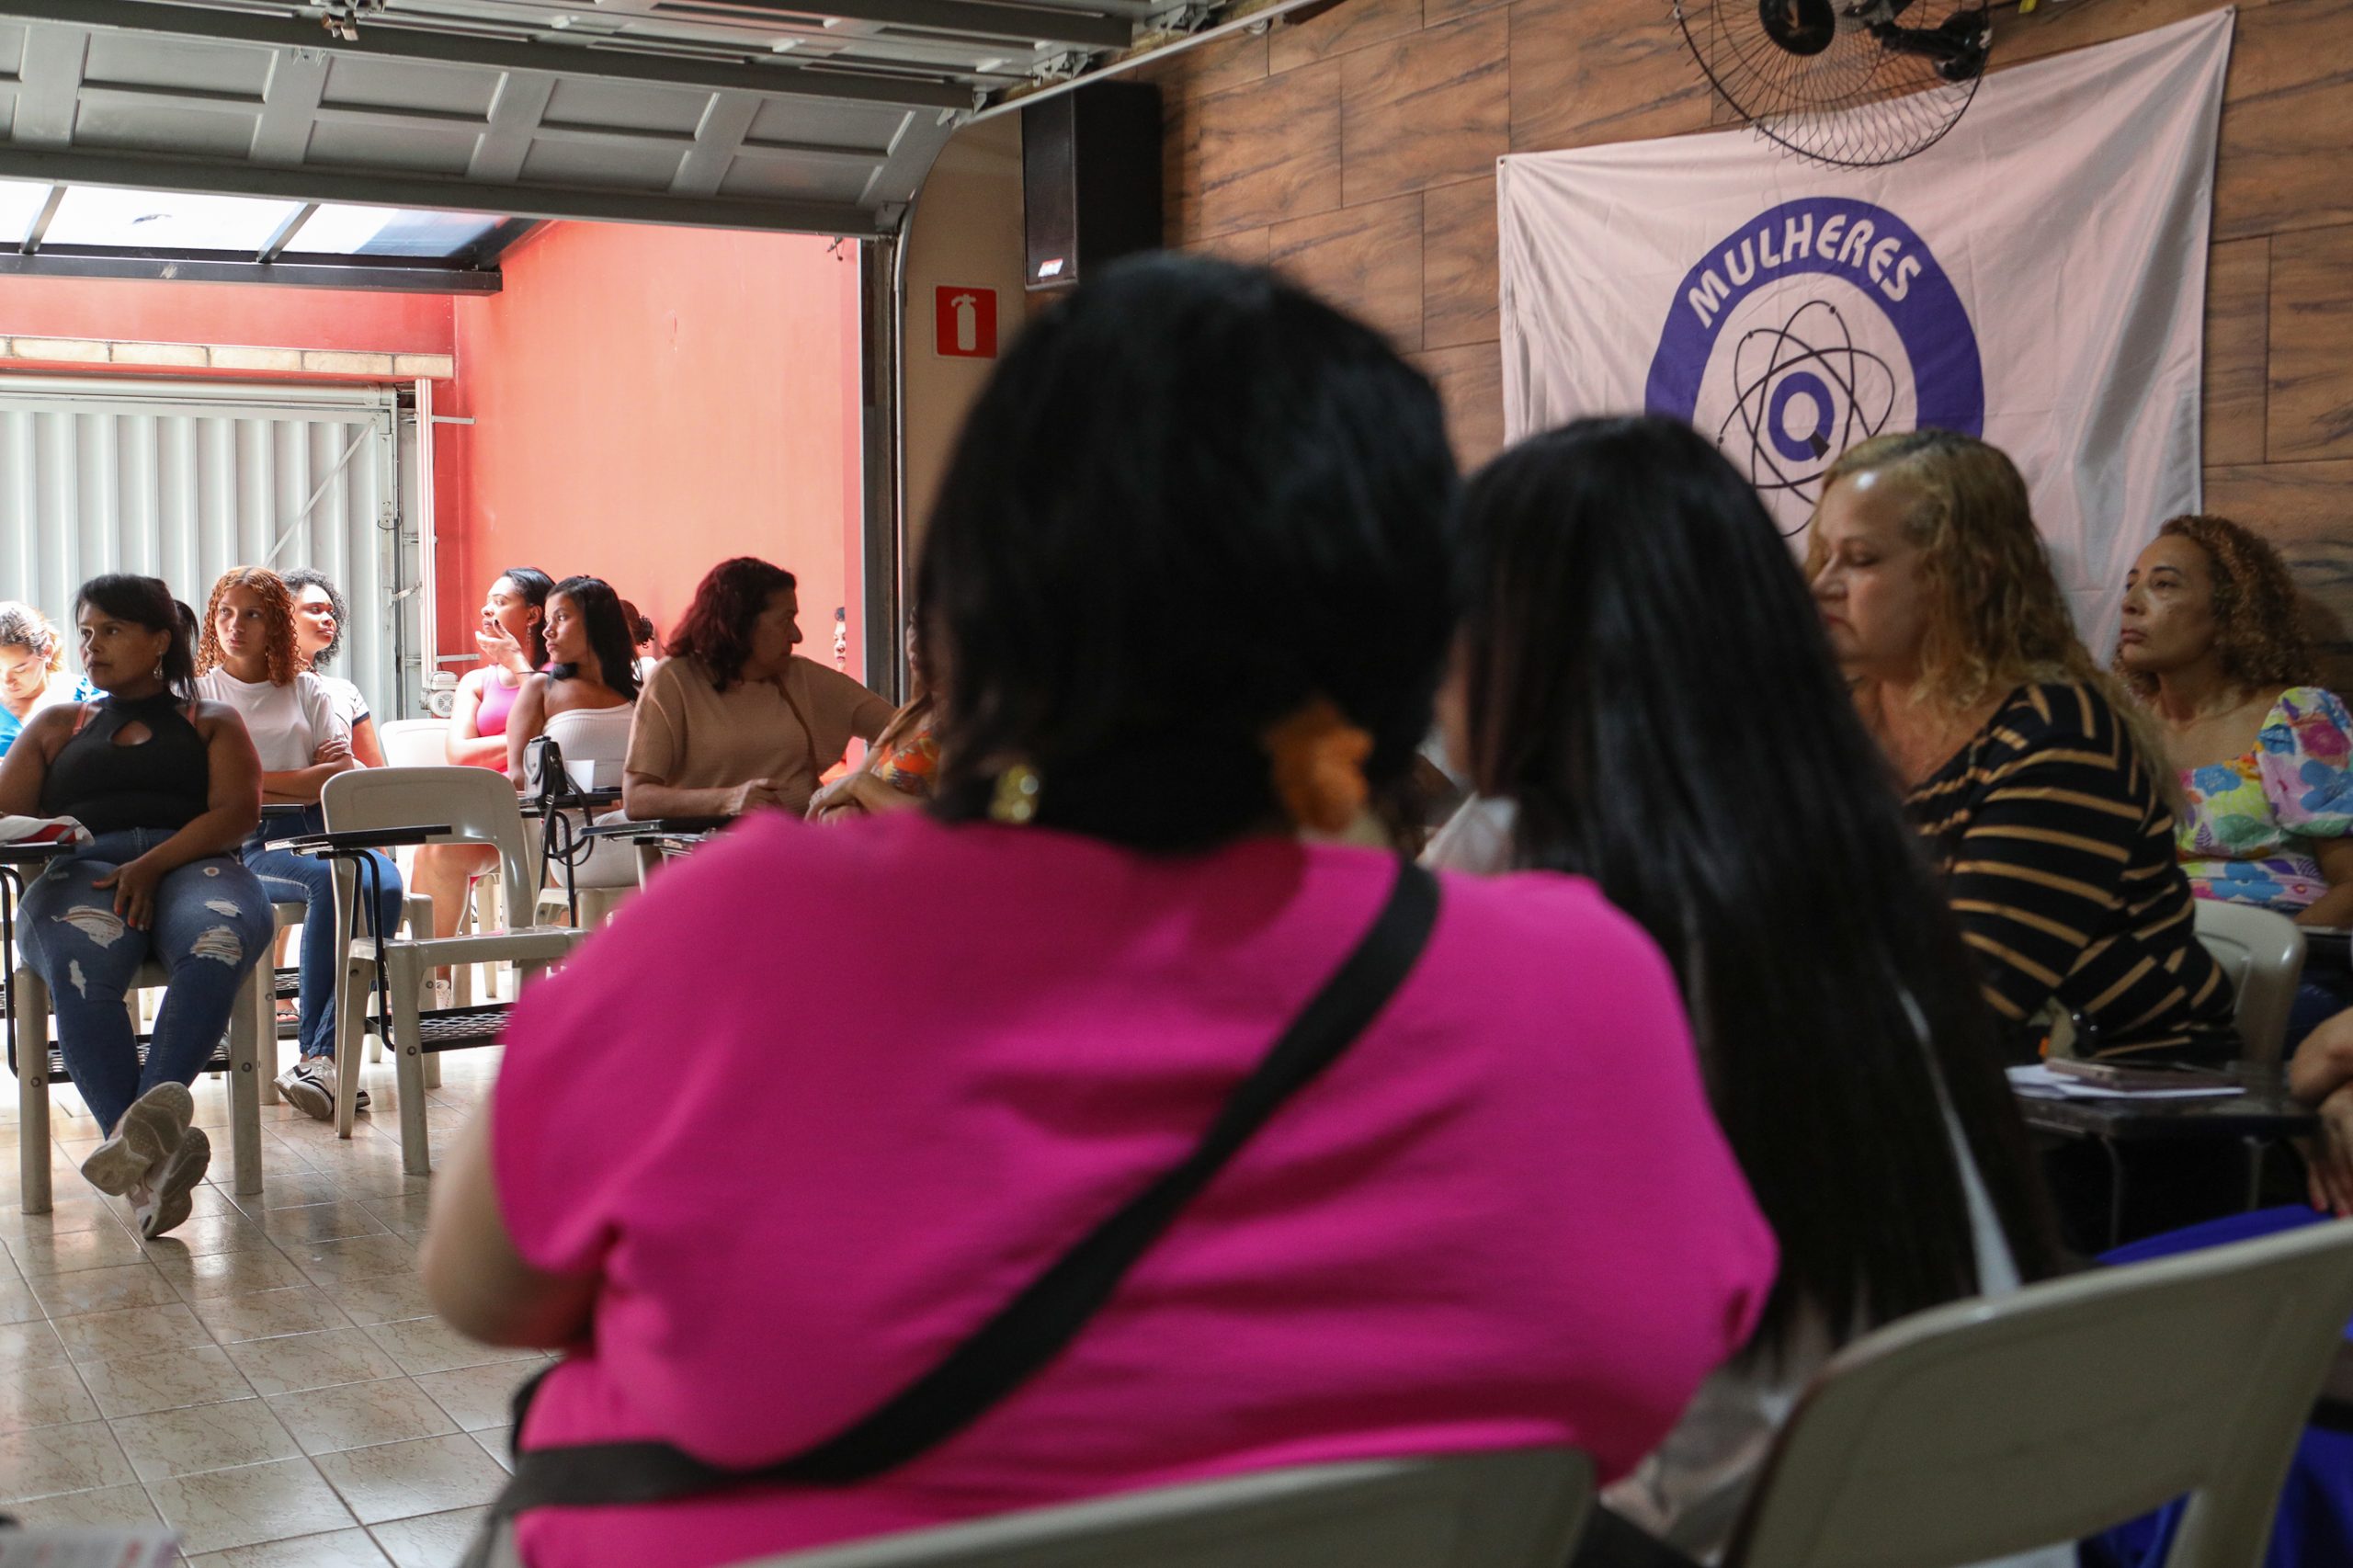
x=477, y=1397
x=43, y=1396
x=166, y=1379
x=339, y=1548
x=405, y=1215
x=428, y=1345
x=255, y=1503
x=498, y=1442
x=301, y=1309
x=18, y=1303
x=322, y=1223
x=429, y=1540
x=391, y=1181
x=66, y=1252
x=355, y=1416
x=396, y=1481
x=131, y=1331
x=280, y=1191
x=103, y=1290
x=386, y=1300
x=229, y=1274
x=202, y=1235
x=51, y=1460
x=327, y=1264
x=119, y=1507
x=202, y=1437
x=66, y=1214
x=290, y=1363
x=24, y=1346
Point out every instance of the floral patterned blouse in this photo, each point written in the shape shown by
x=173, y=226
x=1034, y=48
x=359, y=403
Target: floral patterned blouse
x=2244, y=837
x=909, y=763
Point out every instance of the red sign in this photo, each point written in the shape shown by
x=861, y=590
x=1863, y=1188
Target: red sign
x=964, y=323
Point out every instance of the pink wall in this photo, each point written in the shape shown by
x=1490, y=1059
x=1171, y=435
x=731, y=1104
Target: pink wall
x=260, y=315
x=648, y=402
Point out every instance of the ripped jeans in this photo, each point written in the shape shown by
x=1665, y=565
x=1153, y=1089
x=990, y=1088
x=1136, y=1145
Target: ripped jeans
x=288, y=876
x=211, y=924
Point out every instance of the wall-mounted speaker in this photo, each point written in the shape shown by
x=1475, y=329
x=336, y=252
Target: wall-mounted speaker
x=1090, y=179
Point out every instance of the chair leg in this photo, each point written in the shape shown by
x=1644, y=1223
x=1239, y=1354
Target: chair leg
x=350, y=1023
x=253, y=1019
x=409, y=1059
x=432, y=1071
x=29, y=999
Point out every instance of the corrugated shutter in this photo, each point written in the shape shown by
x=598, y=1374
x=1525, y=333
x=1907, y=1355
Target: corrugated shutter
x=182, y=481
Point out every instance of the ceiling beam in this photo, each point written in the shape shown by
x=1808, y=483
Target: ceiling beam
x=964, y=18
x=78, y=261
x=378, y=41
x=274, y=246
x=42, y=221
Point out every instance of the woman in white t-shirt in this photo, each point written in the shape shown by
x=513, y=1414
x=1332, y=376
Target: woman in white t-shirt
x=248, y=660
x=319, y=619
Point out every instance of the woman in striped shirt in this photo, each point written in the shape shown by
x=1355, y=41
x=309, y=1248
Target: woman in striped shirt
x=2027, y=770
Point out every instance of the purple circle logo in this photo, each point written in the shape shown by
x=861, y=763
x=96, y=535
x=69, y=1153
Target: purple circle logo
x=1799, y=382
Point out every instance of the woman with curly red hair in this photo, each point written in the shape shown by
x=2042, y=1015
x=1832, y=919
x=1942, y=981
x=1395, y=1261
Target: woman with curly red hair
x=248, y=660
x=2211, y=643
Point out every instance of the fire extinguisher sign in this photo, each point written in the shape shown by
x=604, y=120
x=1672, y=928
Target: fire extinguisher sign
x=964, y=323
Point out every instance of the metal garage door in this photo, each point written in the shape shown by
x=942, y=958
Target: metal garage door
x=182, y=481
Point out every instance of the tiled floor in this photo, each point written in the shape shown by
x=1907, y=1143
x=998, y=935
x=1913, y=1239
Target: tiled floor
x=267, y=1379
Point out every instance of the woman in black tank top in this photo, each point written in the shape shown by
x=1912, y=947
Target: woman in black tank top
x=168, y=787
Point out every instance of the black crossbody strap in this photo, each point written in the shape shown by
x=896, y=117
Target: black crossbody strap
x=1036, y=1325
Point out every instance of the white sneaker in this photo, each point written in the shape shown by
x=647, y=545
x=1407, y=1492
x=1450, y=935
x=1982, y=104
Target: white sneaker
x=167, y=1204
x=309, y=1086
x=146, y=1136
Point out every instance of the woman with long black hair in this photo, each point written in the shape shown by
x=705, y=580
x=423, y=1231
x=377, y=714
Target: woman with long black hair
x=1621, y=571
x=584, y=704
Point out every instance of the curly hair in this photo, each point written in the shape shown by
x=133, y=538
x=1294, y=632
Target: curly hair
x=716, y=630
x=276, y=601
x=22, y=626
x=304, y=577
x=1996, y=619
x=2257, y=635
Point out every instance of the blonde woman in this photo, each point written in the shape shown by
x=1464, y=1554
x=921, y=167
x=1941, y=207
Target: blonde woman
x=2038, y=783
x=33, y=656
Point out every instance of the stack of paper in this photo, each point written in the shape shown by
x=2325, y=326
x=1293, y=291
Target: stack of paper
x=2040, y=1083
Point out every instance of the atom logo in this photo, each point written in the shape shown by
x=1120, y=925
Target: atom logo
x=1803, y=392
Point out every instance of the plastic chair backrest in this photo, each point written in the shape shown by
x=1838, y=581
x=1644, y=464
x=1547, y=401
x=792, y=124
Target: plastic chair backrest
x=1517, y=1508
x=414, y=742
x=479, y=805
x=2263, y=952
x=1996, y=1426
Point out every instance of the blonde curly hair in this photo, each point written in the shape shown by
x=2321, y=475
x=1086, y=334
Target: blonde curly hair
x=1996, y=619
x=22, y=626
x=2258, y=634
x=277, y=603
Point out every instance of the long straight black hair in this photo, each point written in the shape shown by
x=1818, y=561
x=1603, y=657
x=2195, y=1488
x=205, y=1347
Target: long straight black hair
x=608, y=636
x=535, y=585
x=1647, y=681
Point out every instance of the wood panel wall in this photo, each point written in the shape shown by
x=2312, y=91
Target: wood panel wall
x=1357, y=150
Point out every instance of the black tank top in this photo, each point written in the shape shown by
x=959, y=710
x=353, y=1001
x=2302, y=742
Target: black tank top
x=166, y=781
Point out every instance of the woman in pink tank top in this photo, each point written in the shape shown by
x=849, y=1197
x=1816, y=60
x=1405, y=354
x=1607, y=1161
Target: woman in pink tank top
x=908, y=1062
x=514, y=645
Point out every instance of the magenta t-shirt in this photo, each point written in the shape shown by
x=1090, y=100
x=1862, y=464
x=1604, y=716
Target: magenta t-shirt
x=822, y=1100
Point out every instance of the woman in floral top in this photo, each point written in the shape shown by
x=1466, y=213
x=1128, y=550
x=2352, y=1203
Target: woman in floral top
x=2210, y=643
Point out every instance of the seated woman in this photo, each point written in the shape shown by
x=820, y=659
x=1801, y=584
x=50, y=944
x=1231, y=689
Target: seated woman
x=512, y=637
x=899, y=767
x=2035, y=778
x=733, y=718
x=32, y=657
x=581, y=704
x=168, y=786
x=2210, y=643
x=643, y=640
x=1848, y=1056
x=318, y=620
x=1427, y=1249
x=247, y=661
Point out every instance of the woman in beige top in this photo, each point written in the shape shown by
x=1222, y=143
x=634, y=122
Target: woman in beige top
x=733, y=718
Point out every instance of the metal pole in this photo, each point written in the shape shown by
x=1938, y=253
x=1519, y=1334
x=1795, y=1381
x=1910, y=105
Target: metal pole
x=883, y=289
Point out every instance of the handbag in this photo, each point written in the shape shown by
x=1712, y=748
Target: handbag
x=1038, y=1322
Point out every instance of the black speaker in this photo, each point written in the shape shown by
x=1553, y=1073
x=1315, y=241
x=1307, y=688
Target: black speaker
x=1090, y=179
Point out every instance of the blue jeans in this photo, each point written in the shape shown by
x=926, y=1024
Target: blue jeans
x=211, y=925
x=286, y=877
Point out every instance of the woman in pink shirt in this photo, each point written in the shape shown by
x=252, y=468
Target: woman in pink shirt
x=1188, y=594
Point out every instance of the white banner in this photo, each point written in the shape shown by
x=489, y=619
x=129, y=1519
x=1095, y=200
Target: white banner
x=2036, y=278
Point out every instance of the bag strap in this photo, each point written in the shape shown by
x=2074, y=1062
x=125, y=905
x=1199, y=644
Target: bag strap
x=1035, y=1326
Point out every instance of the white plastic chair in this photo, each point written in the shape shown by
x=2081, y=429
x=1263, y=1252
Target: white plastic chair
x=2263, y=952
x=1517, y=1508
x=1994, y=1426
x=252, y=1019
x=414, y=742
x=479, y=807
